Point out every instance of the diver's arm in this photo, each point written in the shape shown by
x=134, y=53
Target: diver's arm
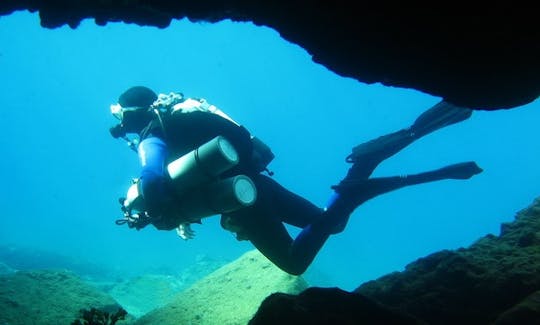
x=155, y=186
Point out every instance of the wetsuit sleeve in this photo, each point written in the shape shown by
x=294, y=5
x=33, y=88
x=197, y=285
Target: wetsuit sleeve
x=155, y=186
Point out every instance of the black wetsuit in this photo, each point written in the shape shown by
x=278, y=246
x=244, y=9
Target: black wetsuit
x=264, y=222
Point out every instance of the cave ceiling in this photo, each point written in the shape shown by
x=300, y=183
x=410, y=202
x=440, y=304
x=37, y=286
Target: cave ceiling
x=481, y=57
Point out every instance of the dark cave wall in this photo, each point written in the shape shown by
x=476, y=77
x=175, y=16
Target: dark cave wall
x=483, y=58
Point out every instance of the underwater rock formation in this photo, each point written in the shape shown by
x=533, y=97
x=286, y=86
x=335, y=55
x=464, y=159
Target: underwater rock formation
x=494, y=281
x=483, y=57
x=326, y=306
x=143, y=293
x=48, y=297
x=229, y=295
x=475, y=284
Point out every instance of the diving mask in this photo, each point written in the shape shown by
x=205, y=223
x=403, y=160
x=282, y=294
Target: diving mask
x=118, y=111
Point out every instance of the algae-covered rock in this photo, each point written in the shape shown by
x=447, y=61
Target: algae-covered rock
x=229, y=295
x=526, y=311
x=473, y=285
x=48, y=297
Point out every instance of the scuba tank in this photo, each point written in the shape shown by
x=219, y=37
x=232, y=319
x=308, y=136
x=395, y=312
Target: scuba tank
x=203, y=164
x=201, y=193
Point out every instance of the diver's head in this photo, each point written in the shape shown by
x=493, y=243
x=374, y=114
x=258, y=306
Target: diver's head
x=133, y=110
x=137, y=96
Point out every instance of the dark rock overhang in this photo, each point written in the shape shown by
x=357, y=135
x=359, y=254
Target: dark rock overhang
x=481, y=57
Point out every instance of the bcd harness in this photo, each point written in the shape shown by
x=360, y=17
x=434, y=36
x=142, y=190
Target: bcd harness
x=176, y=103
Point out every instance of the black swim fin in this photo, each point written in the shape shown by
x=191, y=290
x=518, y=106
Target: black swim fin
x=381, y=147
x=463, y=170
x=439, y=116
x=354, y=192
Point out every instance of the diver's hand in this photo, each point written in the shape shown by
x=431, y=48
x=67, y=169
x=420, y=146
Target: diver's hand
x=164, y=222
x=185, y=232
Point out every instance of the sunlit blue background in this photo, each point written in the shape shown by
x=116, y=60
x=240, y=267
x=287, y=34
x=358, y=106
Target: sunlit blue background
x=62, y=172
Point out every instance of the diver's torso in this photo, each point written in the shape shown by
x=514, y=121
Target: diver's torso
x=184, y=132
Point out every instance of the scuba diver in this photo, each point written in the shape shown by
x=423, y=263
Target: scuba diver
x=162, y=128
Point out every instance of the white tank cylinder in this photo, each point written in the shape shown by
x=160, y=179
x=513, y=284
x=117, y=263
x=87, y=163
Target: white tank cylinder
x=232, y=193
x=202, y=165
x=219, y=197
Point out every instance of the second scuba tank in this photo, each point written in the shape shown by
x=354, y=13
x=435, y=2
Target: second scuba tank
x=218, y=197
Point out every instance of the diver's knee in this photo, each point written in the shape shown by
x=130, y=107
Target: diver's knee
x=295, y=269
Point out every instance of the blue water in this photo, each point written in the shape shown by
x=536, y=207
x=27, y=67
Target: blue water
x=62, y=172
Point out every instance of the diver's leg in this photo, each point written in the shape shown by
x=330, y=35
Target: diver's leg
x=272, y=239
x=354, y=193
x=262, y=224
x=292, y=256
x=293, y=209
x=296, y=210
x=367, y=156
